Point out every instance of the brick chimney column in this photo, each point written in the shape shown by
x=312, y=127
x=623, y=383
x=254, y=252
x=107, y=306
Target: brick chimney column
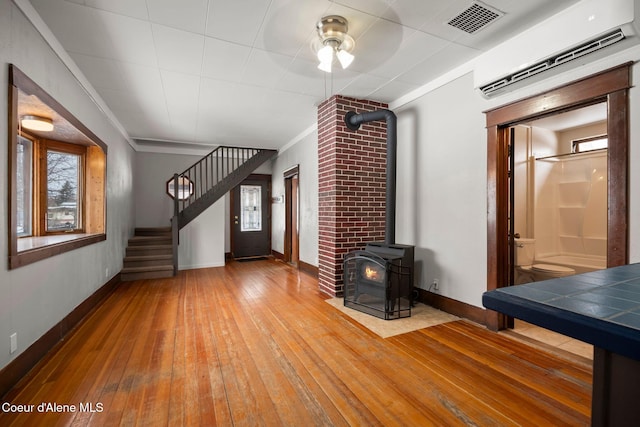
x=352, y=174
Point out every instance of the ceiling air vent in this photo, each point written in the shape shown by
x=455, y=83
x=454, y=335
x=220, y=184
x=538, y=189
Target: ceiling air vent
x=475, y=17
x=554, y=61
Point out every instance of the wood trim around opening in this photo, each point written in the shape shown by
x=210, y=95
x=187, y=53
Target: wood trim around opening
x=610, y=86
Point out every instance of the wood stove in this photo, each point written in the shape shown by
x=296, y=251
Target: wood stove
x=379, y=280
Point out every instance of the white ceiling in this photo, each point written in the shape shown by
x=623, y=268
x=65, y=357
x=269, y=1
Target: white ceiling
x=241, y=72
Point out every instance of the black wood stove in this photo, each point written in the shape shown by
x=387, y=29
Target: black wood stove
x=379, y=279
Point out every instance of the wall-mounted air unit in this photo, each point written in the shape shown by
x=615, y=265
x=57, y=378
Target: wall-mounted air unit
x=556, y=44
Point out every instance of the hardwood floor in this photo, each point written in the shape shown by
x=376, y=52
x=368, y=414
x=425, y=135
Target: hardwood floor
x=254, y=343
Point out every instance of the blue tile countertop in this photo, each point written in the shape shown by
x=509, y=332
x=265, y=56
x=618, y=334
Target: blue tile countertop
x=601, y=307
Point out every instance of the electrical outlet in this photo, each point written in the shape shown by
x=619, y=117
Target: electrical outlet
x=436, y=284
x=14, y=342
x=106, y=272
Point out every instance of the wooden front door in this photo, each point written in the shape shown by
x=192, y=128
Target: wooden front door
x=251, y=217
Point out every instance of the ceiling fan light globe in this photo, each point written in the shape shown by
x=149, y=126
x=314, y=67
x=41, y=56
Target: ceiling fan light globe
x=325, y=54
x=325, y=66
x=345, y=58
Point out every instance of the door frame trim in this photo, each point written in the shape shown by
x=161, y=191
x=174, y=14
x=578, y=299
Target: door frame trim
x=288, y=175
x=610, y=86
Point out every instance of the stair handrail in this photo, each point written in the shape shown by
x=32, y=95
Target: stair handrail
x=175, y=230
x=212, y=168
x=197, y=180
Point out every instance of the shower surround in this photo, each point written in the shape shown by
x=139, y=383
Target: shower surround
x=571, y=206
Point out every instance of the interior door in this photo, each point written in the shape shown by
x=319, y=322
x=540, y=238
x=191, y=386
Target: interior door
x=251, y=217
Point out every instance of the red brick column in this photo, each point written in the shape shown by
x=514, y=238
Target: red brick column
x=352, y=174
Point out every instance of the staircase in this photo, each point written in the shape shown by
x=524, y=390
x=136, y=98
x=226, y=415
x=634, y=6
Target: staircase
x=149, y=255
x=153, y=252
x=213, y=176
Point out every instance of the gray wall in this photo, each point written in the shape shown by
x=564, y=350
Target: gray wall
x=202, y=242
x=37, y=296
x=442, y=178
x=442, y=192
x=304, y=154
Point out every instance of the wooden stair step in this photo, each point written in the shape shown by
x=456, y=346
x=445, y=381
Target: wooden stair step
x=152, y=231
x=149, y=240
x=149, y=272
x=148, y=260
x=149, y=250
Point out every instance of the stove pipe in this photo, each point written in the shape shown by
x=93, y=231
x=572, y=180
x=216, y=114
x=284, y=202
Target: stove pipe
x=353, y=122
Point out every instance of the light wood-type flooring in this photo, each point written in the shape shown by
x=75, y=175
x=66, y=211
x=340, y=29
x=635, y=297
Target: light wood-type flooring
x=254, y=343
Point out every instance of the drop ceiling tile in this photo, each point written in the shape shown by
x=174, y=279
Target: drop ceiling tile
x=224, y=60
x=132, y=8
x=67, y=20
x=237, y=22
x=124, y=101
x=371, y=7
x=304, y=77
x=182, y=92
x=143, y=91
x=414, y=13
x=265, y=68
x=452, y=56
x=392, y=90
x=257, y=112
x=216, y=96
x=379, y=44
x=359, y=19
x=187, y=15
x=178, y=50
x=101, y=72
x=288, y=25
x=411, y=52
x=143, y=125
x=131, y=38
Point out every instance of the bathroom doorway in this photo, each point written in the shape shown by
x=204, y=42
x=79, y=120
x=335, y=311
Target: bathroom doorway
x=610, y=88
x=558, y=195
x=558, y=204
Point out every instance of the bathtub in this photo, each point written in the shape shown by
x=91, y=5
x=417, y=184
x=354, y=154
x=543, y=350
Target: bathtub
x=581, y=264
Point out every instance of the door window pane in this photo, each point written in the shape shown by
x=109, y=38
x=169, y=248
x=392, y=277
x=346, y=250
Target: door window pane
x=250, y=208
x=24, y=187
x=63, y=178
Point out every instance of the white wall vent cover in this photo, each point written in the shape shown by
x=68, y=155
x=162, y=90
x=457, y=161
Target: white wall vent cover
x=475, y=17
x=556, y=60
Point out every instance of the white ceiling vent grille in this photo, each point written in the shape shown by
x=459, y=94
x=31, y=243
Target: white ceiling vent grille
x=556, y=60
x=475, y=17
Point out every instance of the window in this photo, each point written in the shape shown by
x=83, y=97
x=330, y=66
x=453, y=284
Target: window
x=62, y=170
x=251, y=208
x=56, y=178
x=185, y=188
x=24, y=186
x=589, y=144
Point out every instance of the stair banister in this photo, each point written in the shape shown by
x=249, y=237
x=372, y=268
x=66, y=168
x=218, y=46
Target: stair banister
x=175, y=231
x=209, y=184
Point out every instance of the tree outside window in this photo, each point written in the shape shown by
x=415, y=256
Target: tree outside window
x=63, y=178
